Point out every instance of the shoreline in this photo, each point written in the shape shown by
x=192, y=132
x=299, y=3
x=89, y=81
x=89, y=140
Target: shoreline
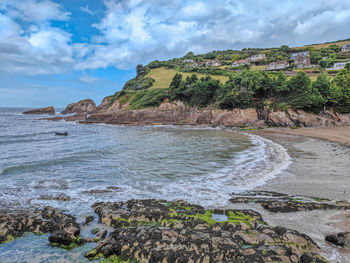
x=340, y=134
x=320, y=165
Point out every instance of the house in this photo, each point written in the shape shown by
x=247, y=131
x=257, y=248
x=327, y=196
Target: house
x=188, y=61
x=240, y=62
x=345, y=48
x=257, y=57
x=339, y=65
x=213, y=63
x=277, y=65
x=301, y=59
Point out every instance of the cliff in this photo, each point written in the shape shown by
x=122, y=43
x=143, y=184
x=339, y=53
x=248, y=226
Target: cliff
x=177, y=113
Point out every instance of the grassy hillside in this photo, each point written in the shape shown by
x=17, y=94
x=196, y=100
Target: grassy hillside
x=163, y=77
x=326, y=45
x=213, y=80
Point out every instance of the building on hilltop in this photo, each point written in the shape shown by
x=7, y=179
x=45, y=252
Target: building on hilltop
x=257, y=57
x=240, y=62
x=345, y=48
x=277, y=65
x=301, y=59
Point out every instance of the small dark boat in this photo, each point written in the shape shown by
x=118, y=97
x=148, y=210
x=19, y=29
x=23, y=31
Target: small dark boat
x=62, y=133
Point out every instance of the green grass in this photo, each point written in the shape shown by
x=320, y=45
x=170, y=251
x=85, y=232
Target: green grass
x=164, y=76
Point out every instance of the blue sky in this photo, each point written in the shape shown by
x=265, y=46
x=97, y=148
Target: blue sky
x=54, y=52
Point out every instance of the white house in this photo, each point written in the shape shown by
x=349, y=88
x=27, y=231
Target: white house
x=339, y=65
x=240, y=62
x=257, y=57
x=277, y=65
x=345, y=48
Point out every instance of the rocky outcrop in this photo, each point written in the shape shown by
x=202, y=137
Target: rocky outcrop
x=162, y=231
x=340, y=239
x=283, y=203
x=48, y=110
x=300, y=118
x=83, y=106
x=177, y=113
x=62, y=227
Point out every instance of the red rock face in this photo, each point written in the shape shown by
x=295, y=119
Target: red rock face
x=177, y=113
x=83, y=106
x=47, y=110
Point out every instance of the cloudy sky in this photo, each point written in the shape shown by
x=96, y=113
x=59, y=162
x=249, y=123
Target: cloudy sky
x=53, y=52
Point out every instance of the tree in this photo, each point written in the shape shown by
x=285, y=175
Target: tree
x=140, y=70
x=300, y=94
x=342, y=87
x=323, y=86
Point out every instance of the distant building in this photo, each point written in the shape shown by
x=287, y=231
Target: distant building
x=257, y=57
x=240, y=62
x=277, y=65
x=188, y=61
x=301, y=59
x=213, y=63
x=339, y=65
x=345, y=48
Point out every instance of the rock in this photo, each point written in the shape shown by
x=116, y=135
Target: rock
x=88, y=219
x=312, y=258
x=60, y=197
x=48, y=220
x=277, y=202
x=162, y=231
x=61, y=237
x=48, y=110
x=83, y=106
x=101, y=234
x=340, y=239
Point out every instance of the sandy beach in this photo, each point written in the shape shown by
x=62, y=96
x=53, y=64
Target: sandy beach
x=334, y=134
x=321, y=168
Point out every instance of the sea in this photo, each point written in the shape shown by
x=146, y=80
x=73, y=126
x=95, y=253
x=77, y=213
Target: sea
x=98, y=162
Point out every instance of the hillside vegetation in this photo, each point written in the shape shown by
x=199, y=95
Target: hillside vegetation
x=209, y=80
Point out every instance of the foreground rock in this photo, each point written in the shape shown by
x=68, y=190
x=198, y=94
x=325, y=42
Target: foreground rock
x=48, y=110
x=83, y=106
x=340, y=239
x=63, y=228
x=161, y=231
x=283, y=203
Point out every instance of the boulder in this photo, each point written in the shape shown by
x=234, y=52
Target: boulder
x=340, y=239
x=83, y=106
x=47, y=110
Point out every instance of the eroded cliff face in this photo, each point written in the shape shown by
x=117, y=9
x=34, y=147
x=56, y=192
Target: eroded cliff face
x=177, y=113
x=83, y=106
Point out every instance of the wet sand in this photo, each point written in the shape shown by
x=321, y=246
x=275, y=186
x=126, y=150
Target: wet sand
x=320, y=168
x=334, y=134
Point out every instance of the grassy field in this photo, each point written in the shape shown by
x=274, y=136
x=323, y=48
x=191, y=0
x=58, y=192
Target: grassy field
x=163, y=77
x=319, y=46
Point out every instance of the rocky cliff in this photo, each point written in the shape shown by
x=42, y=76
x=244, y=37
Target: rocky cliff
x=83, y=106
x=177, y=113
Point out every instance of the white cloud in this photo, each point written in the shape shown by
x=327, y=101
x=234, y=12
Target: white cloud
x=87, y=10
x=34, y=10
x=38, y=48
x=138, y=31
x=134, y=32
x=88, y=79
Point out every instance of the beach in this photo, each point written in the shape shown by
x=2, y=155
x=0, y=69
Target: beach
x=320, y=168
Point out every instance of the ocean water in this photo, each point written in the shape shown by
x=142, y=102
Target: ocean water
x=113, y=163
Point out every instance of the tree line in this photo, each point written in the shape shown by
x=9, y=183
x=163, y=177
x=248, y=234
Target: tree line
x=251, y=88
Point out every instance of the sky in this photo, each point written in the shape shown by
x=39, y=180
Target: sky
x=54, y=52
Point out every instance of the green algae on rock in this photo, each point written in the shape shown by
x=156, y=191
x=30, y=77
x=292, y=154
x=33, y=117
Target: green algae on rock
x=162, y=231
